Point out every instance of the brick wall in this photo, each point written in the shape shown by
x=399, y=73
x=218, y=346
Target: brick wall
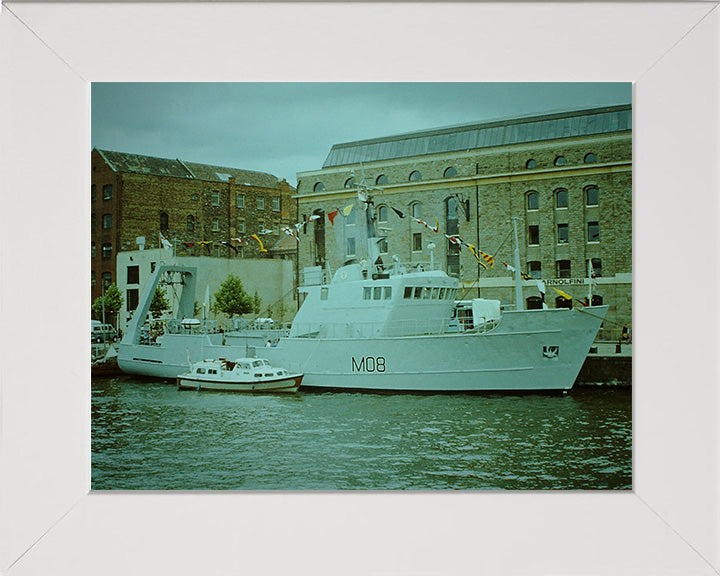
x=495, y=182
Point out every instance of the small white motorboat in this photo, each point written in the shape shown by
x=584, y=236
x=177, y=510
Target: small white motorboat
x=241, y=375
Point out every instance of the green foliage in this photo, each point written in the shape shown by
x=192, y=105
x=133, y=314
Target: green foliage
x=232, y=299
x=257, y=303
x=159, y=302
x=113, y=303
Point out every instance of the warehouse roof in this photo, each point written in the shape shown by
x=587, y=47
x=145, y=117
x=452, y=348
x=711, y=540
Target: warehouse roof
x=484, y=135
x=139, y=164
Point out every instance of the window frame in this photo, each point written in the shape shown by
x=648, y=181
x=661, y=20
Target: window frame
x=532, y=194
x=533, y=228
x=596, y=190
x=417, y=242
x=563, y=268
x=566, y=227
x=566, y=195
x=595, y=223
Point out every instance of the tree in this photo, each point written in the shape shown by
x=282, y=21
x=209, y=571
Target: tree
x=232, y=299
x=159, y=302
x=113, y=300
x=257, y=303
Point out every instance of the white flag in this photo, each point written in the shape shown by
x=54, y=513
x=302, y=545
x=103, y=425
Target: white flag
x=164, y=241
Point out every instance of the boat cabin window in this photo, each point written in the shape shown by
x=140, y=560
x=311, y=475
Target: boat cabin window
x=435, y=292
x=212, y=371
x=387, y=292
x=200, y=371
x=367, y=293
x=408, y=292
x=258, y=363
x=418, y=292
x=324, y=293
x=244, y=365
x=377, y=293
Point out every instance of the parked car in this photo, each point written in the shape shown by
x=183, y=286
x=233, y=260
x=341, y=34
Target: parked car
x=103, y=333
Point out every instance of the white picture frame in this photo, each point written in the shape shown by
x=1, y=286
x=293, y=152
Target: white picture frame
x=50, y=522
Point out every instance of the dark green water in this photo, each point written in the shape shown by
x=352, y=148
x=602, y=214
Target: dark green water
x=147, y=435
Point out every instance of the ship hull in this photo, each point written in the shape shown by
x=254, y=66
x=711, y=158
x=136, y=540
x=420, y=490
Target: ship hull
x=528, y=350
x=287, y=384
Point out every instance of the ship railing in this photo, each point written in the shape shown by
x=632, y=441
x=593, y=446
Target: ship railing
x=416, y=327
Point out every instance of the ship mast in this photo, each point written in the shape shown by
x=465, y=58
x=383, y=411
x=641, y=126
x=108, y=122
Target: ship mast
x=364, y=196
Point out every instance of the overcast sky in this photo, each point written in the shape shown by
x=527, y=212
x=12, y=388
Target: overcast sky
x=288, y=128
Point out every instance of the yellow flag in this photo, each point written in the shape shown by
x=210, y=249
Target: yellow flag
x=346, y=211
x=563, y=294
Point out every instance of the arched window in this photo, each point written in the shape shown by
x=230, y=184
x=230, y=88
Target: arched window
x=533, y=200
x=164, y=221
x=319, y=187
x=561, y=198
x=450, y=172
x=590, y=158
x=106, y=251
x=382, y=212
x=415, y=176
x=591, y=196
x=533, y=303
x=531, y=164
x=560, y=161
x=191, y=223
x=416, y=210
x=382, y=179
x=561, y=302
x=106, y=279
x=350, y=182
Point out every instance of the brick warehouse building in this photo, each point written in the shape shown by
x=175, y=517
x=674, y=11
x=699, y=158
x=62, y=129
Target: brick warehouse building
x=566, y=177
x=138, y=197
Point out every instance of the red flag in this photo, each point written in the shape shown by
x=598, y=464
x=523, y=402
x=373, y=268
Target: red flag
x=331, y=216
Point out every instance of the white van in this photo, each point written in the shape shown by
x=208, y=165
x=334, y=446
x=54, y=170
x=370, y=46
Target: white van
x=102, y=332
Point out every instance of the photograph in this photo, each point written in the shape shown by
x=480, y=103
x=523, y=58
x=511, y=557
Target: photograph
x=361, y=286
x=398, y=289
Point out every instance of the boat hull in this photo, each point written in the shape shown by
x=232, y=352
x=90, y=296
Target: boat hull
x=528, y=350
x=286, y=384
